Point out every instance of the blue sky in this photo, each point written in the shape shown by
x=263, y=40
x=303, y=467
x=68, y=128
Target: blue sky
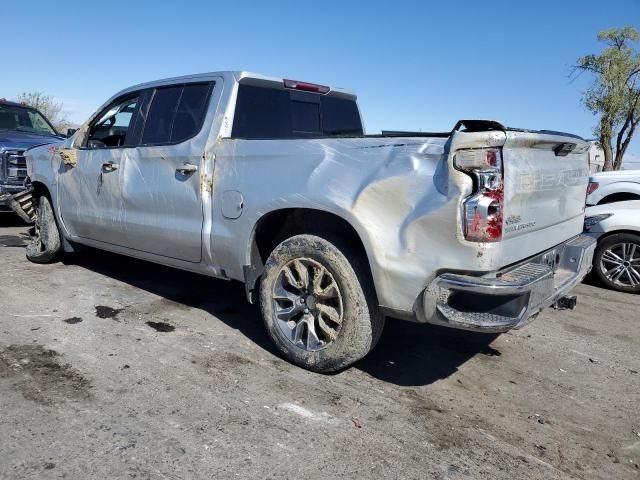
x=414, y=64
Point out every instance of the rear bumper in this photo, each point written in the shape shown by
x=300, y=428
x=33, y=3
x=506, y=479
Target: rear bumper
x=500, y=301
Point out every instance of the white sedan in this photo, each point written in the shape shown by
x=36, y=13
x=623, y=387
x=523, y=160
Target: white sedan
x=616, y=226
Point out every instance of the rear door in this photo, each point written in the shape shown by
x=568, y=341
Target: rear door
x=161, y=180
x=545, y=182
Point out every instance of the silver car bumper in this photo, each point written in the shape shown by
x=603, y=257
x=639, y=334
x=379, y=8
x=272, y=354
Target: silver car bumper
x=503, y=300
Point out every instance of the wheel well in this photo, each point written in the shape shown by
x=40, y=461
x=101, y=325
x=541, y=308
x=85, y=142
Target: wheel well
x=279, y=225
x=40, y=189
x=617, y=232
x=619, y=197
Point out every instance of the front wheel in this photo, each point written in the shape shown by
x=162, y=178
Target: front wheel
x=45, y=244
x=319, y=312
x=617, y=262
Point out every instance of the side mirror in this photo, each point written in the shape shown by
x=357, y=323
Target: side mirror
x=71, y=131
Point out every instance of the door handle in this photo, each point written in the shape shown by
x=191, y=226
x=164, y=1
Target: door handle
x=109, y=167
x=186, y=169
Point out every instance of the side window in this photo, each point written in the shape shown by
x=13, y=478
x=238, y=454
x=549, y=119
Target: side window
x=176, y=113
x=191, y=111
x=161, y=114
x=262, y=113
x=112, y=126
x=134, y=134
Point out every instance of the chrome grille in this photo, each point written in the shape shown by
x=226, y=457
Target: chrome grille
x=15, y=168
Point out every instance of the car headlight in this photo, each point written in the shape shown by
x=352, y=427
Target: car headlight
x=590, y=222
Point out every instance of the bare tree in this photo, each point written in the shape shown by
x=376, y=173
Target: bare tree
x=615, y=92
x=48, y=107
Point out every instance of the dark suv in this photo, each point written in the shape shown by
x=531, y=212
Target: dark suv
x=21, y=127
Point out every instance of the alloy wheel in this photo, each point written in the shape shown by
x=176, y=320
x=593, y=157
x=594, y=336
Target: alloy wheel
x=308, y=304
x=620, y=264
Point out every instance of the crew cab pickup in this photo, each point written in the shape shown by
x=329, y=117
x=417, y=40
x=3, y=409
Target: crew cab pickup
x=272, y=182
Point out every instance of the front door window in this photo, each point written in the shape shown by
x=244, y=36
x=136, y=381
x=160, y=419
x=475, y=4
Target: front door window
x=112, y=127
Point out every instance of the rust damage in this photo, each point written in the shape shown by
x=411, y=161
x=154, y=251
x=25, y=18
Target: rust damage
x=69, y=156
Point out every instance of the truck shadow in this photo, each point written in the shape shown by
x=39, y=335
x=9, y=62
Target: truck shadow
x=408, y=354
x=9, y=219
x=412, y=354
x=12, y=240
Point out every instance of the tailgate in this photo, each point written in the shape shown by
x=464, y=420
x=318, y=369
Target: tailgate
x=545, y=183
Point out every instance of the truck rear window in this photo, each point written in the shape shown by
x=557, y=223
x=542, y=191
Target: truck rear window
x=263, y=113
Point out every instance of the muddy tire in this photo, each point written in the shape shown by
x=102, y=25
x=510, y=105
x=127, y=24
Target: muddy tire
x=617, y=262
x=318, y=303
x=45, y=244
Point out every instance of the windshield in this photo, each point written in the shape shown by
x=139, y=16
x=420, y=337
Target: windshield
x=24, y=119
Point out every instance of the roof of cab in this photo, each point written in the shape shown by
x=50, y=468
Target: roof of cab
x=239, y=76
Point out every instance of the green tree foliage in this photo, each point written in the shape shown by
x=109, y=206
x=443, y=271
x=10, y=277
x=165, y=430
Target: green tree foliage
x=615, y=92
x=48, y=107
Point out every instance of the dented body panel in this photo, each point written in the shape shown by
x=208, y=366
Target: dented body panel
x=403, y=197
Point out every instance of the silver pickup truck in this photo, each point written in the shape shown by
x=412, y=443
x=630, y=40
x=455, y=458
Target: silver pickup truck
x=272, y=182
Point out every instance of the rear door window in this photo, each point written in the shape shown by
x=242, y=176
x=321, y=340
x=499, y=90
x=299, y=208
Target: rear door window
x=176, y=113
x=190, y=112
x=263, y=113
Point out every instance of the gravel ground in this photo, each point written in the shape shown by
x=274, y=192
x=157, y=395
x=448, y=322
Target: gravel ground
x=116, y=368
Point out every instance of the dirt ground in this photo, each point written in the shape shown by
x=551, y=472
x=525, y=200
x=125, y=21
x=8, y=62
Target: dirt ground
x=116, y=368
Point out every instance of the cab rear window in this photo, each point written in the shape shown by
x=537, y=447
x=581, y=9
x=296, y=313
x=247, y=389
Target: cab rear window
x=264, y=113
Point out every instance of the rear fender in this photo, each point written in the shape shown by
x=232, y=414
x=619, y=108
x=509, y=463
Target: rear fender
x=604, y=191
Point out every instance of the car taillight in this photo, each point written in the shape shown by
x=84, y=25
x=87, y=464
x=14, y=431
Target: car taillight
x=483, y=209
x=592, y=187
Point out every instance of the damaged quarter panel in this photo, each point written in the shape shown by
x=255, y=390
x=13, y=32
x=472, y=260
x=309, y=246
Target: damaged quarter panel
x=395, y=192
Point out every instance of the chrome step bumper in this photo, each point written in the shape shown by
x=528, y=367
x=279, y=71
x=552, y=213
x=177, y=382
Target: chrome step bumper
x=22, y=204
x=500, y=301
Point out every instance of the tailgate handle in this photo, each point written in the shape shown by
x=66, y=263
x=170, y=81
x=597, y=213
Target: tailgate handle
x=564, y=149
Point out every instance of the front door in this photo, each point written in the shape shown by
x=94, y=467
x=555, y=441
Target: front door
x=90, y=177
x=161, y=180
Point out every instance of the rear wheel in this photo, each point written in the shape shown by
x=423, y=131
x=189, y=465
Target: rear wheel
x=617, y=262
x=319, y=312
x=45, y=243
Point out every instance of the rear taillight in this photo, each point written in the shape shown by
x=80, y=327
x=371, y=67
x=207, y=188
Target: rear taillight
x=483, y=209
x=593, y=186
x=305, y=86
